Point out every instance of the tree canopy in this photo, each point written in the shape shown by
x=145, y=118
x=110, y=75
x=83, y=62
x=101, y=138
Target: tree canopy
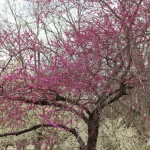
x=69, y=60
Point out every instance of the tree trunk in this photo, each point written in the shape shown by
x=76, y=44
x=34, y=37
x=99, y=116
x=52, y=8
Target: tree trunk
x=93, y=127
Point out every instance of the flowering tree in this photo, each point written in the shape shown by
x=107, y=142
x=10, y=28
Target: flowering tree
x=72, y=59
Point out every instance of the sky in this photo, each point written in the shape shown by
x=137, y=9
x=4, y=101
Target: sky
x=1, y=3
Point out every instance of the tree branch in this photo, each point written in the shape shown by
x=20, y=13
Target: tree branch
x=56, y=103
x=116, y=96
x=71, y=130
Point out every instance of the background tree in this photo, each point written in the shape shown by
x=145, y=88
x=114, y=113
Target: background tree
x=72, y=60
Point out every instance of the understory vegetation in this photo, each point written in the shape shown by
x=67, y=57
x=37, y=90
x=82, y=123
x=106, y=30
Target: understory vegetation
x=113, y=135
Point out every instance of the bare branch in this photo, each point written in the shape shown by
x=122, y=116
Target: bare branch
x=71, y=130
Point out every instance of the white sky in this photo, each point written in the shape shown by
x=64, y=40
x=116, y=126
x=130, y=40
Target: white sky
x=1, y=3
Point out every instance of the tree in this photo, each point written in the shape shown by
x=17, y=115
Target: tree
x=72, y=59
